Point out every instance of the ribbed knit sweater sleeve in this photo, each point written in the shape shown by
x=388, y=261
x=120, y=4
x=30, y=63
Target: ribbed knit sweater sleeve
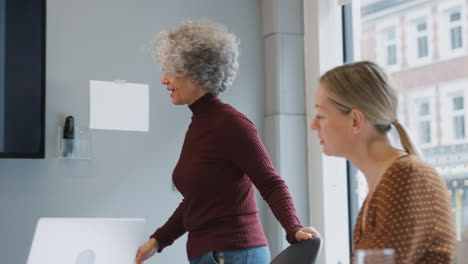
x=171, y=230
x=249, y=154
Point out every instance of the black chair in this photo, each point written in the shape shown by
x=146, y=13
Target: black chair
x=304, y=252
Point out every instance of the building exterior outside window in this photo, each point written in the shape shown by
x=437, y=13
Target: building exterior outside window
x=422, y=43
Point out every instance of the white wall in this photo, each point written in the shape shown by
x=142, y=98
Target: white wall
x=130, y=172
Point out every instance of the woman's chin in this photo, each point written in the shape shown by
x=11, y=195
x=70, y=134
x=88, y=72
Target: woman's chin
x=176, y=102
x=332, y=153
x=328, y=152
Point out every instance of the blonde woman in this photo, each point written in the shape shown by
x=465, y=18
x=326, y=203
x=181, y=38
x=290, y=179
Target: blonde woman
x=408, y=207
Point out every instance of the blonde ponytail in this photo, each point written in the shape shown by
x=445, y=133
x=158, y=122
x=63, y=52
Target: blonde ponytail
x=405, y=139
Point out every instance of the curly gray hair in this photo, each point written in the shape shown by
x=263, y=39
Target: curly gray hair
x=201, y=50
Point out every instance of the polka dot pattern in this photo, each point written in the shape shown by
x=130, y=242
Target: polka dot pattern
x=409, y=211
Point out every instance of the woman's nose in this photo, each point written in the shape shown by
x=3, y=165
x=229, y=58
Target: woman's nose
x=313, y=124
x=165, y=79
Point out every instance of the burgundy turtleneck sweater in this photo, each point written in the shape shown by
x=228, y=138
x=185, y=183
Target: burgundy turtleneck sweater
x=221, y=159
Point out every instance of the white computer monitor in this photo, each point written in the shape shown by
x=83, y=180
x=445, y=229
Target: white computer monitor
x=86, y=241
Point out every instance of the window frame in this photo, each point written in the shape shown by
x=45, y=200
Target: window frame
x=415, y=99
x=448, y=91
x=328, y=193
x=382, y=43
x=445, y=9
x=455, y=25
x=412, y=19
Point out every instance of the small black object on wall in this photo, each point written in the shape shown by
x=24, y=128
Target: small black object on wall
x=68, y=137
x=74, y=141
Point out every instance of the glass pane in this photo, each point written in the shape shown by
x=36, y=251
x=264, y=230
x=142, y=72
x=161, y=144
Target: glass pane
x=425, y=132
x=424, y=109
x=422, y=47
x=432, y=121
x=458, y=103
x=421, y=26
x=391, y=35
x=459, y=127
x=455, y=17
x=456, y=37
x=391, y=55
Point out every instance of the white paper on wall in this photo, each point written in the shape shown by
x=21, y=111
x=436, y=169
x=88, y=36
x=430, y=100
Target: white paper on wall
x=119, y=105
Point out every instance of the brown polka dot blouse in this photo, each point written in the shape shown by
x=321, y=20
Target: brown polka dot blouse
x=409, y=211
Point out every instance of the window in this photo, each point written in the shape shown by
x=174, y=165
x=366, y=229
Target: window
x=432, y=97
x=458, y=118
x=454, y=112
x=325, y=173
x=387, y=36
x=456, y=35
x=419, y=37
x=391, y=47
x=424, y=126
x=421, y=121
x=421, y=29
x=451, y=24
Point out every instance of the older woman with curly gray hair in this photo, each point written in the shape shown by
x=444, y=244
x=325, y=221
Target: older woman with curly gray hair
x=222, y=157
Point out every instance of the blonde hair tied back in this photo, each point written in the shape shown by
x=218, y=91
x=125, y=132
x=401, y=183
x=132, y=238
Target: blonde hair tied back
x=365, y=86
x=405, y=139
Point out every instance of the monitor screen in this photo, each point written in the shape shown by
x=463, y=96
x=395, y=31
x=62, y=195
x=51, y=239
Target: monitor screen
x=22, y=78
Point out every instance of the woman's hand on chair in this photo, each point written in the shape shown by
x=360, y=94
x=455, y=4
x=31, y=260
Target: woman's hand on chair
x=147, y=250
x=306, y=233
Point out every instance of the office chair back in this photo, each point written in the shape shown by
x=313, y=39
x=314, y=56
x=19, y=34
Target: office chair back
x=304, y=252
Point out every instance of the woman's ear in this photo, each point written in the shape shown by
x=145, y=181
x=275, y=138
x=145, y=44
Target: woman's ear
x=358, y=119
